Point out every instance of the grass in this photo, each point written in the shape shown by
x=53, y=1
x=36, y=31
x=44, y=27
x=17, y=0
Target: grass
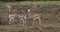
x=30, y=2
x=47, y=2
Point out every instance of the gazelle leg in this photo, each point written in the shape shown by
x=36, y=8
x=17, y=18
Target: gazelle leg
x=10, y=21
x=20, y=22
x=33, y=22
x=39, y=21
x=25, y=22
x=13, y=21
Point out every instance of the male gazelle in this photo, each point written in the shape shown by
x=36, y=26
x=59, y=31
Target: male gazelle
x=22, y=20
x=35, y=17
x=11, y=18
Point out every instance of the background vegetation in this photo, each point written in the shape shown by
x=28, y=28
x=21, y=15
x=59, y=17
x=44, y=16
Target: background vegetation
x=28, y=0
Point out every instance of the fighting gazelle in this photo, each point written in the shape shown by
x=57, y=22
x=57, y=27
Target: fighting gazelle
x=22, y=20
x=11, y=18
x=9, y=7
x=34, y=17
x=12, y=15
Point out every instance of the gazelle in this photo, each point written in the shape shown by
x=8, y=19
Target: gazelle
x=22, y=19
x=28, y=12
x=35, y=17
x=11, y=18
x=9, y=7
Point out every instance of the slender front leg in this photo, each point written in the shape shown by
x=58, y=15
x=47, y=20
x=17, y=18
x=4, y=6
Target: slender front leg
x=10, y=21
x=20, y=20
x=33, y=22
x=25, y=22
x=39, y=21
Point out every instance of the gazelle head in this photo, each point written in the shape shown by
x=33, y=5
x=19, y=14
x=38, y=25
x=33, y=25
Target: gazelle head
x=28, y=10
x=8, y=6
